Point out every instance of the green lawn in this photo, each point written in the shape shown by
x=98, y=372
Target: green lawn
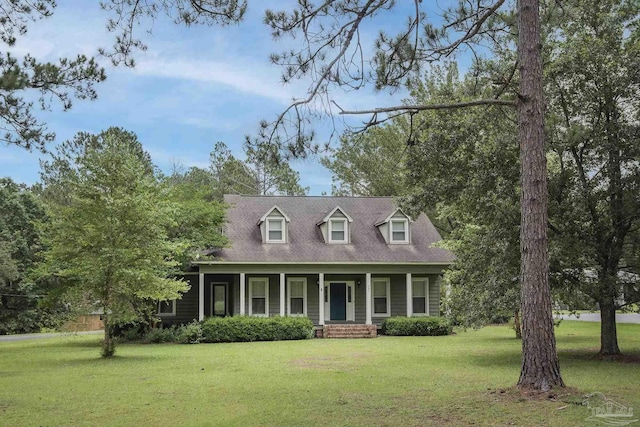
x=453, y=380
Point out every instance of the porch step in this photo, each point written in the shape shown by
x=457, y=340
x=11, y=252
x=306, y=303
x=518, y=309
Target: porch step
x=350, y=331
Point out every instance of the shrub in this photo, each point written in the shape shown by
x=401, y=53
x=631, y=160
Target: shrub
x=243, y=329
x=161, y=335
x=131, y=331
x=131, y=335
x=416, y=326
x=191, y=333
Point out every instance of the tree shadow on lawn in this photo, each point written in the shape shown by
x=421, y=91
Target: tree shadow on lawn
x=97, y=360
x=81, y=344
x=49, y=344
x=504, y=357
x=592, y=355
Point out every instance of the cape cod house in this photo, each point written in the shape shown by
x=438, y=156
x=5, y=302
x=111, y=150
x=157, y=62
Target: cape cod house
x=337, y=260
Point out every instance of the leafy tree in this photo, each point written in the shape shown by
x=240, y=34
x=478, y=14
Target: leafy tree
x=260, y=174
x=198, y=216
x=594, y=89
x=231, y=176
x=369, y=164
x=107, y=239
x=465, y=164
x=22, y=78
x=22, y=301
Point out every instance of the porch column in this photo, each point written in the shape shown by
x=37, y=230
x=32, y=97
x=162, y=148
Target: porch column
x=368, y=302
x=200, y=296
x=409, y=296
x=321, y=298
x=282, y=296
x=242, y=292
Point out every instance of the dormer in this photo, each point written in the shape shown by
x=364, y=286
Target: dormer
x=336, y=227
x=274, y=226
x=396, y=228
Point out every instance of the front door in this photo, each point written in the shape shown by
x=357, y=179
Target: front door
x=338, y=301
x=218, y=299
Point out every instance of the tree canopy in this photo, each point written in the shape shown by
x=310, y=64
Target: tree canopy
x=107, y=238
x=23, y=307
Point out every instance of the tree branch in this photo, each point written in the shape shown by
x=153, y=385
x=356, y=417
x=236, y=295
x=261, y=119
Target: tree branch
x=424, y=107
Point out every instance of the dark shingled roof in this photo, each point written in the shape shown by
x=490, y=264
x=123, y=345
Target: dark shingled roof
x=306, y=244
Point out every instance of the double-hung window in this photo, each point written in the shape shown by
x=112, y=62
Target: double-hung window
x=275, y=230
x=399, y=231
x=259, y=296
x=338, y=231
x=381, y=297
x=420, y=296
x=297, y=296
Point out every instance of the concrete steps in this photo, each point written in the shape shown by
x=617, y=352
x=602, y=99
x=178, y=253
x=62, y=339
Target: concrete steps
x=349, y=331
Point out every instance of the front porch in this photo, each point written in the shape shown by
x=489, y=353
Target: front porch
x=351, y=298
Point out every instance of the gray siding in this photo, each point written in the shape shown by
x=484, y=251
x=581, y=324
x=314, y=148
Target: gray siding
x=187, y=306
x=434, y=295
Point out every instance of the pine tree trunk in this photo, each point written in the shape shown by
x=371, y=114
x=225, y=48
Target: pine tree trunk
x=608, y=330
x=540, y=367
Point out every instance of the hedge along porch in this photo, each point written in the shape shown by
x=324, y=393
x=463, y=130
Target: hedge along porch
x=335, y=259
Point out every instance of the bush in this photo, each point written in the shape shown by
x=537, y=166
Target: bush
x=191, y=333
x=161, y=335
x=416, y=326
x=131, y=335
x=244, y=329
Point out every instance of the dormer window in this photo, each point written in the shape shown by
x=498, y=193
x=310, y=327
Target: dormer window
x=335, y=227
x=399, y=231
x=395, y=228
x=275, y=230
x=273, y=226
x=337, y=231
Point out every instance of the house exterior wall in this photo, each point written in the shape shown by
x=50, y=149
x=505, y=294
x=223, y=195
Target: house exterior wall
x=187, y=306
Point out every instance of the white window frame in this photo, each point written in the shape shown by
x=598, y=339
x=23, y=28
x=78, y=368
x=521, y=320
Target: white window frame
x=173, y=308
x=304, y=295
x=346, y=230
x=405, y=222
x=266, y=302
x=283, y=230
x=424, y=280
x=388, y=296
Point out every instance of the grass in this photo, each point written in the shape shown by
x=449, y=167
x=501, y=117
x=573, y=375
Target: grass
x=453, y=380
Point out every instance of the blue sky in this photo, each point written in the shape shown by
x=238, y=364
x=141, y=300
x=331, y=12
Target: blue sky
x=191, y=88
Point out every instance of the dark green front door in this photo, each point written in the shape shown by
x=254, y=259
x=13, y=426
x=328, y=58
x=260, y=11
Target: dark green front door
x=338, y=301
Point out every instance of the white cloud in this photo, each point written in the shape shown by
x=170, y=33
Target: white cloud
x=250, y=78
